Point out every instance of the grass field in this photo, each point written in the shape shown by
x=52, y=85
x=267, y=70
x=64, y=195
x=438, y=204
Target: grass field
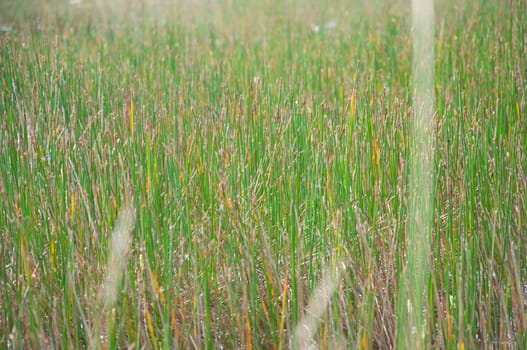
x=213, y=174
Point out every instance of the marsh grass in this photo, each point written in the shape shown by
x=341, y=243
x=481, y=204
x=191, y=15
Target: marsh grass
x=258, y=152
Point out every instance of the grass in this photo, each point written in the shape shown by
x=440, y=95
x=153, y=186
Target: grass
x=412, y=332
x=254, y=156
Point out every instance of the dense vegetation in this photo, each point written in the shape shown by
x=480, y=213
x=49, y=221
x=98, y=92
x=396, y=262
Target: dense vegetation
x=252, y=148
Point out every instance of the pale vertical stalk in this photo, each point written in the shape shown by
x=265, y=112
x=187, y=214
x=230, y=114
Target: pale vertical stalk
x=413, y=289
x=118, y=254
x=115, y=270
x=303, y=337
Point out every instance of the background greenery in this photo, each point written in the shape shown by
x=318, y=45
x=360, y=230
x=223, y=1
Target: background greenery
x=260, y=143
